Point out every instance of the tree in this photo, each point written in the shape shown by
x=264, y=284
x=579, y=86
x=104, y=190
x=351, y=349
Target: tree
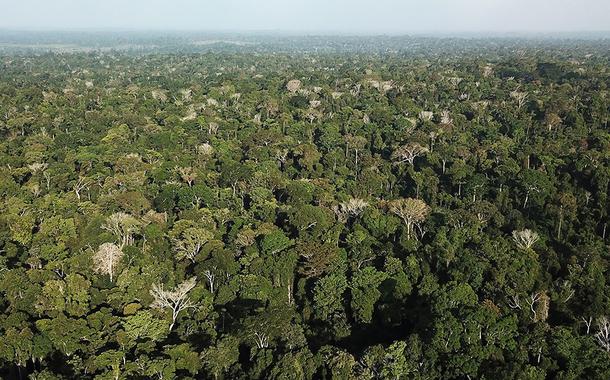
x=365, y=293
x=408, y=153
x=603, y=333
x=107, y=258
x=190, y=241
x=123, y=226
x=411, y=211
x=176, y=300
x=525, y=239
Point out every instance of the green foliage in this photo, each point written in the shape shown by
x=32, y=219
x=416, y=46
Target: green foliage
x=304, y=208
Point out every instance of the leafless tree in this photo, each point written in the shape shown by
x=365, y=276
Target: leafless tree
x=520, y=97
x=261, y=339
x=210, y=276
x=426, y=115
x=603, y=333
x=206, y=150
x=212, y=128
x=408, y=153
x=80, y=185
x=123, y=226
x=525, y=239
x=293, y=85
x=588, y=322
x=351, y=208
x=487, y=71
x=187, y=174
x=176, y=300
x=37, y=167
x=412, y=211
x=539, y=306
x=446, y=118
x=107, y=258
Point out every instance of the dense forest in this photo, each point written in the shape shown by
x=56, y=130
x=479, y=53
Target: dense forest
x=305, y=208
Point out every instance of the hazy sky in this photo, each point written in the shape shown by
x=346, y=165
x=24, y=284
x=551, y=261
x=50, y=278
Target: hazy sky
x=310, y=15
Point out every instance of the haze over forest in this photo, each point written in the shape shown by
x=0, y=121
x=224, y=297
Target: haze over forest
x=311, y=16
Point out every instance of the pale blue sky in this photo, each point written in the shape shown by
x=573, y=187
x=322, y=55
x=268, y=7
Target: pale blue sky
x=310, y=15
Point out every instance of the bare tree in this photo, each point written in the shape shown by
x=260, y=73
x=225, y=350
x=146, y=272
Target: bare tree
x=210, y=277
x=187, y=174
x=293, y=85
x=446, y=118
x=123, y=226
x=412, y=211
x=426, y=115
x=603, y=333
x=525, y=239
x=107, y=258
x=520, y=97
x=80, y=185
x=37, y=167
x=539, y=306
x=408, y=153
x=205, y=150
x=176, y=300
x=588, y=322
x=352, y=208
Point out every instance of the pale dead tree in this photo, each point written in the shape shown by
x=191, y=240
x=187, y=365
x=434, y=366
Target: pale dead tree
x=446, y=118
x=314, y=103
x=190, y=242
x=205, y=150
x=187, y=174
x=603, y=333
x=539, y=306
x=261, y=339
x=159, y=95
x=426, y=115
x=530, y=189
x=352, y=208
x=552, y=121
x=212, y=128
x=282, y=157
x=355, y=91
x=336, y=94
x=47, y=178
x=37, y=167
x=514, y=302
x=123, y=226
x=412, y=212
x=525, y=239
x=588, y=322
x=387, y=86
x=187, y=94
x=455, y=81
x=293, y=85
x=35, y=189
x=520, y=97
x=487, y=71
x=408, y=153
x=80, y=185
x=176, y=300
x=106, y=259
x=210, y=276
